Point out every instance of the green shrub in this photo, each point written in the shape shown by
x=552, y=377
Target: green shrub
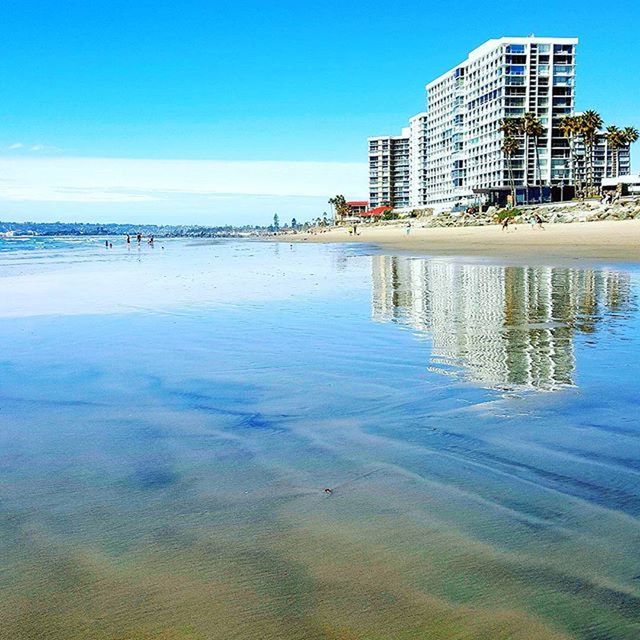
x=507, y=213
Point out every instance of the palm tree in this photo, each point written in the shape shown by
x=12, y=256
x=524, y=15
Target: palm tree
x=589, y=124
x=510, y=129
x=571, y=130
x=619, y=139
x=615, y=141
x=532, y=129
x=510, y=147
x=629, y=136
x=339, y=207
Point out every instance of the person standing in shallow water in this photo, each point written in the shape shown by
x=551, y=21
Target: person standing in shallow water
x=128, y=239
x=106, y=244
x=139, y=238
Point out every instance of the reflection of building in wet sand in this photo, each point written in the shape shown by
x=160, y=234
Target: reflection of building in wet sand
x=502, y=326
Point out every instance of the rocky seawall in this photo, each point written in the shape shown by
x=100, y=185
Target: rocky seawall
x=561, y=213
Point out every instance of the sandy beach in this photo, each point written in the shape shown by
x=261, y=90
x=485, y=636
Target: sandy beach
x=606, y=240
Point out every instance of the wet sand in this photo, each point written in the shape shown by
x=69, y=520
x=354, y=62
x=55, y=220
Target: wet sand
x=607, y=240
x=170, y=419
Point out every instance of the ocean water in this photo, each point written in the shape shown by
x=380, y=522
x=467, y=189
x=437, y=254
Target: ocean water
x=171, y=416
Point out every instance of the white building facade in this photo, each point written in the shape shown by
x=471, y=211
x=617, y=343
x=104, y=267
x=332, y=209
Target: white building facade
x=389, y=170
x=503, y=78
x=451, y=154
x=418, y=160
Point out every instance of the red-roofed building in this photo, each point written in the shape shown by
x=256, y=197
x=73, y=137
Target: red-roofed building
x=355, y=209
x=377, y=212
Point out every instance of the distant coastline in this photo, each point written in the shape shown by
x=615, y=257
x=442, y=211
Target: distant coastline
x=30, y=229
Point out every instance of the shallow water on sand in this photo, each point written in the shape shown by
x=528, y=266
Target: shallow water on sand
x=170, y=418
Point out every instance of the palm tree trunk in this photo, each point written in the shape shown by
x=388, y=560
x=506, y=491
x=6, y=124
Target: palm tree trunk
x=591, y=169
x=537, y=177
x=572, y=163
x=513, y=183
x=526, y=168
x=587, y=167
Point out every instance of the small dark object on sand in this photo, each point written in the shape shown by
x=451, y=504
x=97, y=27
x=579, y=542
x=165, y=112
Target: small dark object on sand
x=328, y=491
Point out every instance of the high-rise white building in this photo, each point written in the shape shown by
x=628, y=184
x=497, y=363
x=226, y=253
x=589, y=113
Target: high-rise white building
x=389, y=170
x=503, y=78
x=418, y=160
x=452, y=154
x=398, y=165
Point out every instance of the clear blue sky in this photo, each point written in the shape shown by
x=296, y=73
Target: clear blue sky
x=255, y=81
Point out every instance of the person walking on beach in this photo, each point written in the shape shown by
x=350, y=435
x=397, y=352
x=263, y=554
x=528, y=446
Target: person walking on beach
x=538, y=220
x=408, y=228
x=355, y=229
x=505, y=224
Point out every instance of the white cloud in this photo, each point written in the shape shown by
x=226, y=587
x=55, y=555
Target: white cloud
x=32, y=147
x=85, y=179
x=171, y=190
x=24, y=193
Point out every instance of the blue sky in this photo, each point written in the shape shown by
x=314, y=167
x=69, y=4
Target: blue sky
x=244, y=81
